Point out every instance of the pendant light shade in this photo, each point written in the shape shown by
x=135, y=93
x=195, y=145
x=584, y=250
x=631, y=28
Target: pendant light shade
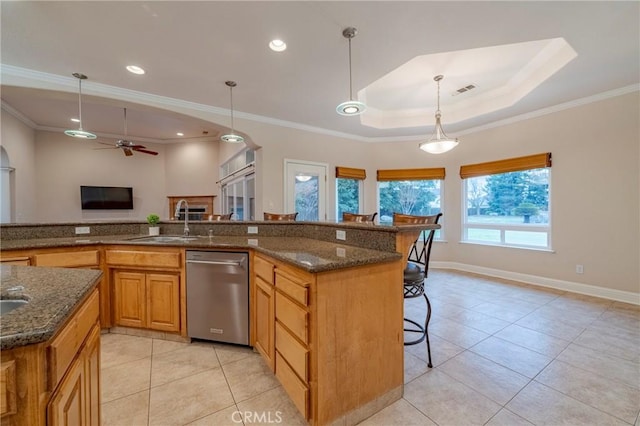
x=439, y=142
x=79, y=133
x=231, y=137
x=350, y=107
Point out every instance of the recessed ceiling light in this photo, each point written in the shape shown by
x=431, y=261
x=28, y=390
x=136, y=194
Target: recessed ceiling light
x=277, y=45
x=135, y=69
x=75, y=120
x=180, y=134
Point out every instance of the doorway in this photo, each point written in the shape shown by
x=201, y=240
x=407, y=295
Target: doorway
x=305, y=189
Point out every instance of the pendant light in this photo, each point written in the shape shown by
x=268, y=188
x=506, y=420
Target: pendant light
x=231, y=137
x=439, y=142
x=350, y=107
x=80, y=133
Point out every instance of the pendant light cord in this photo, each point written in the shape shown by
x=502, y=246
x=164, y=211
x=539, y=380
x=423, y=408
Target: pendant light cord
x=350, y=80
x=80, y=103
x=231, y=96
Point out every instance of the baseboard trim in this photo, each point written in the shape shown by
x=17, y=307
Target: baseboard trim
x=573, y=287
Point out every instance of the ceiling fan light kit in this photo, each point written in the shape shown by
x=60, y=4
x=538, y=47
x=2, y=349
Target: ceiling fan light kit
x=79, y=133
x=350, y=107
x=439, y=142
x=231, y=137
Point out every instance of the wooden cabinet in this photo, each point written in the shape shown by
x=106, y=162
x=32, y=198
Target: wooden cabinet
x=56, y=382
x=292, y=335
x=76, y=401
x=147, y=288
x=147, y=300
x=264, y=312
x=331, y=330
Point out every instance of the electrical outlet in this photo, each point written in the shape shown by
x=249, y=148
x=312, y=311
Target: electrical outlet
x=252, y=241
x=341, y=252
x=252, y=230
x=82, y=230
x=579, y=269
x=341, y=235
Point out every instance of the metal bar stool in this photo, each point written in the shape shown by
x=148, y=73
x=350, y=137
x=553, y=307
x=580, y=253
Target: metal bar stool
x=415, y=274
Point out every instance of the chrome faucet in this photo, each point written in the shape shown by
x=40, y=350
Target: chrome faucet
x=186, y=215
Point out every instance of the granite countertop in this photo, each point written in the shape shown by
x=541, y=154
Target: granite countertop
x=306, y=253
x=53, y=294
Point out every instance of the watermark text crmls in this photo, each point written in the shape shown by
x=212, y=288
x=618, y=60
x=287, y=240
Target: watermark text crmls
x=257, y=417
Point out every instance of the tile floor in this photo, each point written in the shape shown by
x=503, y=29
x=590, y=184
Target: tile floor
x=504, y=353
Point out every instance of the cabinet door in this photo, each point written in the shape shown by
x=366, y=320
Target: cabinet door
x=92, y=372
x=130, y=300
x=68, y=405
x=163, y=302
x=265, y=321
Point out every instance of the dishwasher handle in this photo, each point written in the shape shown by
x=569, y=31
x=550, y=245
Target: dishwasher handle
x=216, y=262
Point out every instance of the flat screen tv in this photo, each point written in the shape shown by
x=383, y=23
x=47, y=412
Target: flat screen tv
x=106, y=198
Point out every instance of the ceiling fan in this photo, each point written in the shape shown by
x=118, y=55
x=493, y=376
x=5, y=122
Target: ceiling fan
x=128, y=146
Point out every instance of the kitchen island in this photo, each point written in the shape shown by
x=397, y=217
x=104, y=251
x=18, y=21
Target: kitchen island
x=50, y=346
x=324, y=314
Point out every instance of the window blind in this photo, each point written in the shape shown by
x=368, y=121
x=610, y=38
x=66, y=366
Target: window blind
x=528, y=162
x=350, y=173
x=411, y=174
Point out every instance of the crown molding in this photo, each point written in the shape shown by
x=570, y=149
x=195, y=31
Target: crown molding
x=32, y=78
x=17, y=114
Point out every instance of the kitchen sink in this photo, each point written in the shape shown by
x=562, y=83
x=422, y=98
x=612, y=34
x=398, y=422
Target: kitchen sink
x=8, y=305
x=165, y=239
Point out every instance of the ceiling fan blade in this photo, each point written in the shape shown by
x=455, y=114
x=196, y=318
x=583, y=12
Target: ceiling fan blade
x=146, y=151
x=127, y=151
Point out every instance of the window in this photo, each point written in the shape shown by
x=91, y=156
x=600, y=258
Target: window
x=349, y=190
x=507, y=202
x=237, y=187
x=410, y=191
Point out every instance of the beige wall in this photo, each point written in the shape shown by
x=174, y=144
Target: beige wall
x=18, y=140
x=191, y=168
x=594, y=199
x=63, y=164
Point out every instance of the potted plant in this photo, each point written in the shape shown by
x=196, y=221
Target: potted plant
x=153, y=220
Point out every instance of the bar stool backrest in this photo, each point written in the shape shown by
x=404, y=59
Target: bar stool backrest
x=217, y=217
x=353, y=217
x=280, y=216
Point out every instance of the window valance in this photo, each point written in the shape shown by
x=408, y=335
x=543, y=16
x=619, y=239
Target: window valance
x=528, y=162
x=350, y=173
x=411, y=174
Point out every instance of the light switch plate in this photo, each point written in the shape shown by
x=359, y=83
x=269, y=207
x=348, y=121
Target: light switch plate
x=252, y=230
x=341, y=235
x=82, y=230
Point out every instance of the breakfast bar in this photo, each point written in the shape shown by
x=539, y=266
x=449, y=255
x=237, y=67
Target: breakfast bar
x=323, y=313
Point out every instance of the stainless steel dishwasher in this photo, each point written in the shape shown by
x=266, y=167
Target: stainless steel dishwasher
x=218, y=296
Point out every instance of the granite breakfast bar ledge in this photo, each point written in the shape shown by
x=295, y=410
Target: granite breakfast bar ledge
x=53, y=295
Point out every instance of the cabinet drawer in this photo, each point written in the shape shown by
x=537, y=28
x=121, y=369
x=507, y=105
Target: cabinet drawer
x=287, y=284
x=143, y=258
x=293, y=351
x=292, y=316
x=297, y=391
x=68, y=259
x=263, y=269
x=8, y=391
x=66, y=344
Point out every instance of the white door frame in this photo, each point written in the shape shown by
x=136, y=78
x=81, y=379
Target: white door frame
x=322, y=187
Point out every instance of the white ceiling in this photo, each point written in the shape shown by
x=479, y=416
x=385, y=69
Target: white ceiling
x=189, y=49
